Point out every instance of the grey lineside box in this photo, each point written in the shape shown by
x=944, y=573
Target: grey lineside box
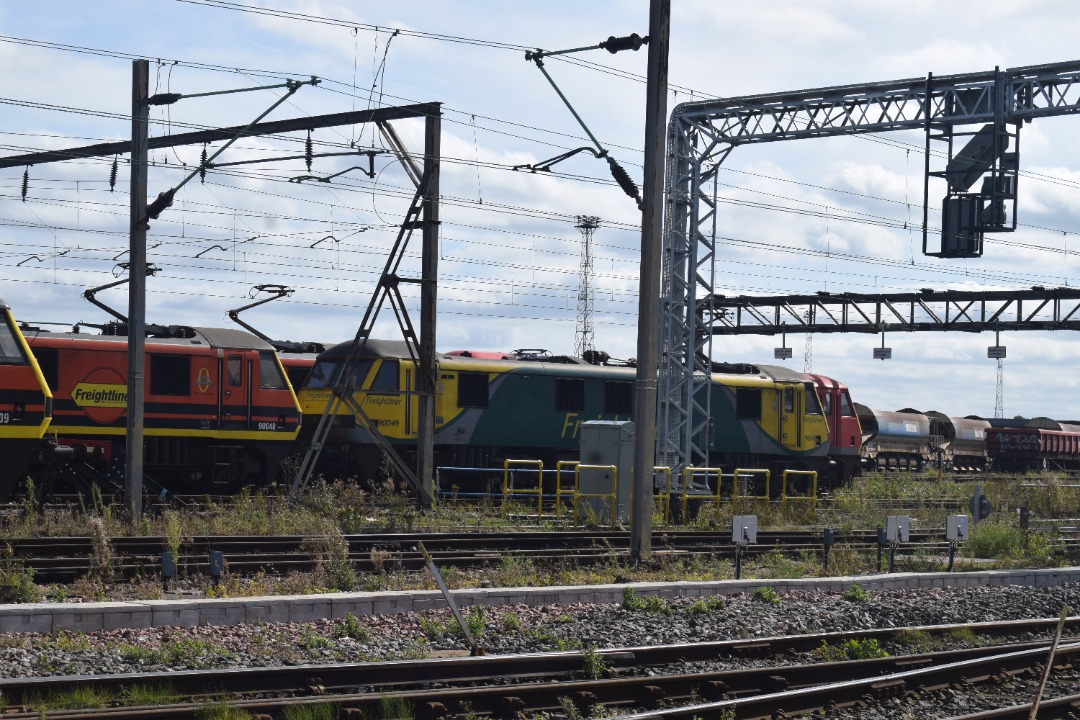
x=607, y=442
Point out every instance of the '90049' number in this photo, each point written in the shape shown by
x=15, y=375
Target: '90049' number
x=5, y=418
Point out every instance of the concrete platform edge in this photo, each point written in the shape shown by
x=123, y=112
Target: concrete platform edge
x=90, y=617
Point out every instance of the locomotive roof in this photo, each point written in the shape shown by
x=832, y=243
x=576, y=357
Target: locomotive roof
x=4, y=305
x=372, y=348
x=783, y=374
x=211, y=337
x=227, y=337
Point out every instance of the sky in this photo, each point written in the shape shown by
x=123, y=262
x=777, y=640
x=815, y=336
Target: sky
x=509, y=251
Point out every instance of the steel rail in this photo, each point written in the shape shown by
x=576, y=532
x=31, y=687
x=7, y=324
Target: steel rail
x=296, y=678
x=743, y=688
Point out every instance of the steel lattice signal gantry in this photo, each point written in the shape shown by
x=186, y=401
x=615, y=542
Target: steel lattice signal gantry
x=702, y=134
x=925, y=311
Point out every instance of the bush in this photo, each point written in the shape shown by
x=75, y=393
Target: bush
x=995, y=541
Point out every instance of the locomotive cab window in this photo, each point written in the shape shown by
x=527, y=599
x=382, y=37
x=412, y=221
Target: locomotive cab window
x=11, y=353
x=386, y=379
x=569, y=394
x=236, y=370
x=789, y=399
x=618, y=397
x=845, y=405
x=472, y=389
x=170, y=374
x=812, y=406
x=748, y=403
x=325, y=373
x=826, y=403
x=270, y=377
x=49, y=362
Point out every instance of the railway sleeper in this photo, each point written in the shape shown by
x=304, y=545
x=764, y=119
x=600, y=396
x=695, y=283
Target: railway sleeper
x=714, y=690
x=431, y=711
x=888, y=689
x=651, y=696
x=759, y=650
x=585, y=701
x=510, y=706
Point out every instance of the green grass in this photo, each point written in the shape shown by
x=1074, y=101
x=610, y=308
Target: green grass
x=329, y=510
x=320, y=711
x=76, y=698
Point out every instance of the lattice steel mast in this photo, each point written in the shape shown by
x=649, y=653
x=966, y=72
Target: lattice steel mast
x=583, y=337
x=702, y=134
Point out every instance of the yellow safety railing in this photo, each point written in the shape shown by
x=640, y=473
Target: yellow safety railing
x=811, y=498
x=688, y=474
x=613, y=495
x=665, y=495
x=559, y=491
x=538, y=491
x=749, y=472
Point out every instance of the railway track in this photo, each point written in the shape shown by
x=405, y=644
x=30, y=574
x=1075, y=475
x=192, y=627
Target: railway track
x=670, y=680
x=61, y=559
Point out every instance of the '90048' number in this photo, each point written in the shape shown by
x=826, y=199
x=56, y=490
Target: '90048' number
x=5, y=418
x=268, y=426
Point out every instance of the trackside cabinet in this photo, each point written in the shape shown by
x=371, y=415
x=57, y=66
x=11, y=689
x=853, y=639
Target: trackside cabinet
x=608, y=442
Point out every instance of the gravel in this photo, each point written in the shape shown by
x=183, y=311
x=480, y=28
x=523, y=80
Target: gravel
x=513, y=629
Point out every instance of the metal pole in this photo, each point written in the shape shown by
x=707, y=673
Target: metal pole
x=649, y=283
x=133, y=457
x=428, y=371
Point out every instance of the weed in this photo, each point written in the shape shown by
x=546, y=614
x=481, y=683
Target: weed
x=651, y=604
x=776, y=564
x=433, y=628
x=140, y=654
x=511, y=622
x=193, y=653
x=593, y=663
x=68, y=642
x=476, y=621
x=312, y=641
x=570, y=710
x=173, y=535
x=417, y=649
x=221, y=710
x=101, y=554
x=146, y=695
x=16, y=580
x=856, y=594
x=82, y=697
x=851, y=650
x=918, y=641
x=351, y=627
x=964, y=635
x=631, y=600
x=392, y=707
x=321, y=711
x=563, y=619
x=702, y=606
x=546, y=637
x=333, y=568
x=766, y=594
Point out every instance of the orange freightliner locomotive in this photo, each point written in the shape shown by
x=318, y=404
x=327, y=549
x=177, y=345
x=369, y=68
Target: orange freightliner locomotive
x=219, y=412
